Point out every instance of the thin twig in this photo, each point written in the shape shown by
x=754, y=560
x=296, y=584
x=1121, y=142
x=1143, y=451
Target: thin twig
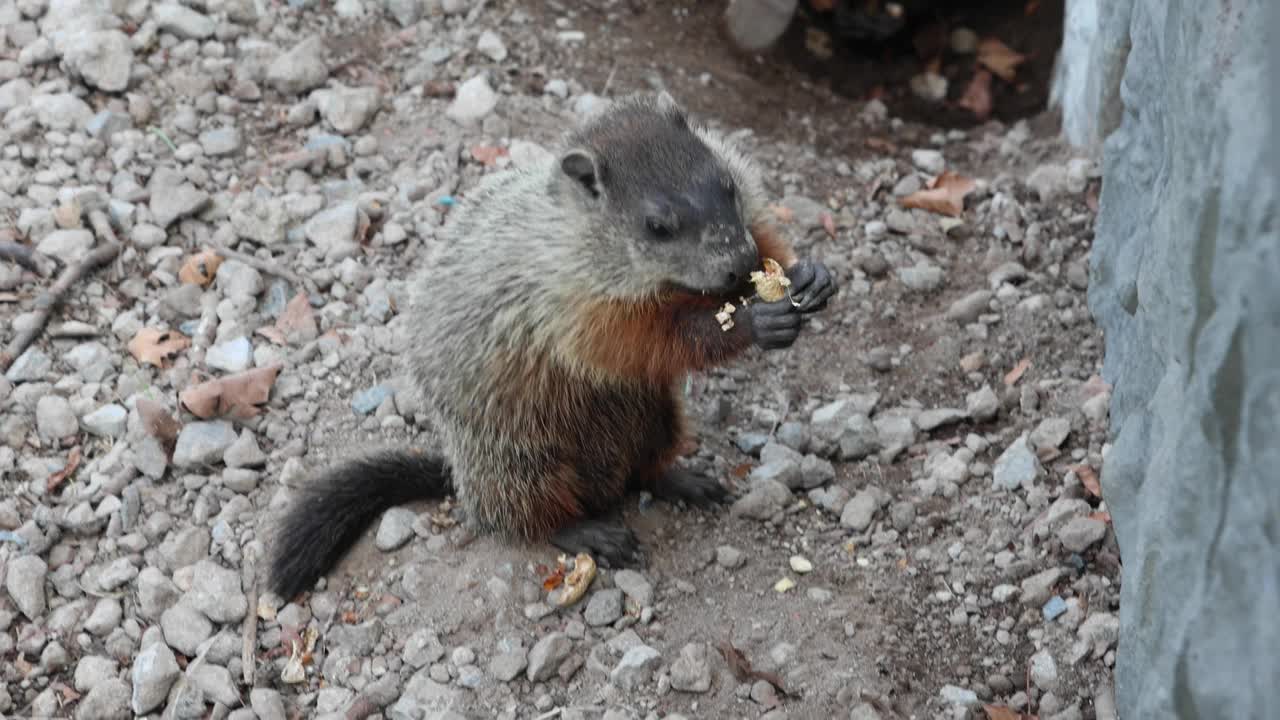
x=28, y=257
x=604, y=92
x=258, y=263
x=249, y=630
x=53, y=297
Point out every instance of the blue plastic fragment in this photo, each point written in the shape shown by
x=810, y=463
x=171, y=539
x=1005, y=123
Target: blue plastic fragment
x=366, y=401
x=1055, y=607
x=446, y=200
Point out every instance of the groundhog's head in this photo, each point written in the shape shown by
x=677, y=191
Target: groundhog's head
x=658, y=195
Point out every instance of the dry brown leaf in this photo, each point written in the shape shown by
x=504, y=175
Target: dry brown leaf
x=157, y=347
x=1089, y=478
x=158, y=423
x=1103, y=516
x=1013, y=376
x=239, y=395
x=741, y=668
x=742, y=471
x=829, y=224
x=999, y=58
x=977, y=97
x=272, y=333
x=199, y=269
x=298, y=321
x=488, y=154
x=945, y=195
x=1000, y=712
x=55, y=480
x=879, y=144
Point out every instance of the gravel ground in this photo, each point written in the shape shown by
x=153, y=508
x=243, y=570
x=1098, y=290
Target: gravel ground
x=916, y=530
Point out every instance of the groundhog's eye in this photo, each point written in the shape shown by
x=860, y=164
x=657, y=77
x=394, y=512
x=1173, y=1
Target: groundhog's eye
x=659, y=228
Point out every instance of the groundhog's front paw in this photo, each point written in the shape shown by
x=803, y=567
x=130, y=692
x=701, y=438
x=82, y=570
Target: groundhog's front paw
x=812, y=285
x=774, y=325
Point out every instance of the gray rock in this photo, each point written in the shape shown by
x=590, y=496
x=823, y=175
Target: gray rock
x=967, y=309
x=220, y=141
x=237, y=280
x=182, y=21
x=173, y=198
x=962, y=697
x=1017, y=466
x=91, y=359
x=68, y=246
x=691, y=672
x=257, y=216
x=215, y=591
x=109, y=421
x=1099, y=631
x=472, y=101
x=368, y=400
x=117, y=574
x=1081, y=532
x=507, y=666
x=92, y=671
x=1050, y=433
x=865, y=711
x=103, y=58
x=422, y=649
x=231, y=356
x=1048, y=181
x=895, y=432
x=215, y=682
x=808, y=212
x=842, y=420
x=859, y=511
x=203, y=443
x=921, y=277
x=244, y=452
x=546, y=656
x=156, y=593
x=32, y=365
x=106, y=616
x=635, y=668
x=635, y=586
x=395, y=529
x=762, y=501
x=933, y=419
x=347, y=109
x=930, y=161
x=24, y=580
x=815, y=472
x=604, y=607
x=491, y=45
x=405, y=12
x=1037, y=589
x=832, y=499
x=334, y=230
x=108, y=701
x=267, y=704
x=185, y=628
x=982, y=404
x=302, y=68
x=14, y=93
x=1044, y=670
x=106, y=124
x=55, y=419
x=729, y=557
x=779, y=463
x=61, y=111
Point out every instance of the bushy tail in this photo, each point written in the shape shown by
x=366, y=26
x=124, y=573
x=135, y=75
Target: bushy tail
x=330, y=514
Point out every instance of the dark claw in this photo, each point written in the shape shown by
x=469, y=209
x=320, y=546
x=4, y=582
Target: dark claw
x=812, y=285
x=774, y=325
x=609, y=541
x=696, y=489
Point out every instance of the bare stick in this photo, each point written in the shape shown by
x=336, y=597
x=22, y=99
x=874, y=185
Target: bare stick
x=249, y=630
x=258, y=263
x=27, y=257
x=53, y=297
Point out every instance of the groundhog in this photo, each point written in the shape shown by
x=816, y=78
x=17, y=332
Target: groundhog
x=564, y=304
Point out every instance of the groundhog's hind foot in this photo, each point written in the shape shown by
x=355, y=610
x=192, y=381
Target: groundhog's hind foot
x=609, y=541
x=694, y=488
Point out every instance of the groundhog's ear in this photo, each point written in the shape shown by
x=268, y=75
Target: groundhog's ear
x=581, y=166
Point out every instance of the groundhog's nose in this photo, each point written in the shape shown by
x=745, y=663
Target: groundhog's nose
x=740, y=269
